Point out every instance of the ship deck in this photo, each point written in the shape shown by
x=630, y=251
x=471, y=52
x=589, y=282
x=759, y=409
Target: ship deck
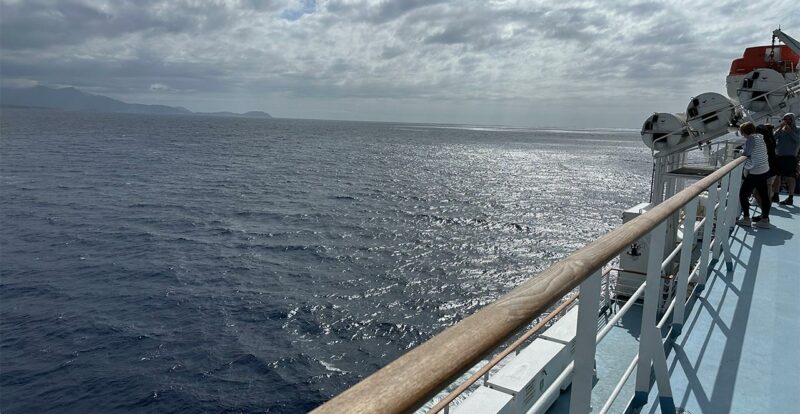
x=738, y=352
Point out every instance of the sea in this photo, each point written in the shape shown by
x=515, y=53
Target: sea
x=189, y=264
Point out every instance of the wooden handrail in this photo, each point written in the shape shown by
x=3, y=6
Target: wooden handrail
x=504, y=353
x=415, y=377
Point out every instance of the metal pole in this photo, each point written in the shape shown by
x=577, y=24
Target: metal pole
x=651, y=301
x=707, y=234
x=690, y=216
x=721, y=233
x=731, y=210
x=585, y=345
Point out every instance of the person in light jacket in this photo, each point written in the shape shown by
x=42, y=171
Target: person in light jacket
x=756, y=172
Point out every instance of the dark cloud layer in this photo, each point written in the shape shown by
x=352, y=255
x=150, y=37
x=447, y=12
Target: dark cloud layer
x=315, y=53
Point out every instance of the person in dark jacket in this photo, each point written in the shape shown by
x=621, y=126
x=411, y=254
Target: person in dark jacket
x=787, y=138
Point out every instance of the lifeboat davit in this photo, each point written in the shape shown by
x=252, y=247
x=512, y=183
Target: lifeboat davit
x=662, y=131
x=710, y=112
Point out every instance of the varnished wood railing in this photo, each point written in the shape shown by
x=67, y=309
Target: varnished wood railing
x=411, y=380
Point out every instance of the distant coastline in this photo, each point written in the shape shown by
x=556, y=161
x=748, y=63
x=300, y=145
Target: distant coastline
x=73, y=99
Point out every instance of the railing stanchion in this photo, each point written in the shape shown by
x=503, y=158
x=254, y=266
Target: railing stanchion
x=652, y=294
x=731, y=210
x=689, y=237
x=707, y=235
x=733, y=200
x=720, y=232
x=585, y=344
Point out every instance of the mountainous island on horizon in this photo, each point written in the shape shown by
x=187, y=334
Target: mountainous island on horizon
x=73, y=99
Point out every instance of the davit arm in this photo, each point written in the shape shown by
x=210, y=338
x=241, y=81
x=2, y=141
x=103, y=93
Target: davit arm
x=791, y=42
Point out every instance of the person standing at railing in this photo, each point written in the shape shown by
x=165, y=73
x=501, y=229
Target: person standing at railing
x=787, y=139
x=756, y=173
x=766, y=131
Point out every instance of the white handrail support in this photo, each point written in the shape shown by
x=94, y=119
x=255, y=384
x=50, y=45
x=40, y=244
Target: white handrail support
x=585, y=345
x=733, y=211
x=711, y=201
x=689, y=236
x=647, y=346
x=720, y=234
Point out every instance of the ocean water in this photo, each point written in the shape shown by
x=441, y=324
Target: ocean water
x=193, y=264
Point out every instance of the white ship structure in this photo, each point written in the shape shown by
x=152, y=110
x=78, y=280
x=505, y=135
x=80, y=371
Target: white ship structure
x=676, y=310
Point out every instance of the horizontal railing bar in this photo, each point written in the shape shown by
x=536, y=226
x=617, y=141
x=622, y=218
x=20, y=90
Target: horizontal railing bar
x=621, y=384
x=694, y=271
x=415, y=377
x=699, y=225
x=667, y=314
x=671, y=256
x=630, y=271
x=499, y=357
x=621, y=312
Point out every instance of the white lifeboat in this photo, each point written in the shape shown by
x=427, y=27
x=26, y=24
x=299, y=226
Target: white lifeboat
x=762, y=90
x=709, y=112
x=662, y=131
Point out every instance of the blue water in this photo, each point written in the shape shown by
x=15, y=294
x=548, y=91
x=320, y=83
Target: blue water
x=192, y=264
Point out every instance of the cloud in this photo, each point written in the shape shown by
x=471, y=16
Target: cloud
x=311, y=55
x=159, y=87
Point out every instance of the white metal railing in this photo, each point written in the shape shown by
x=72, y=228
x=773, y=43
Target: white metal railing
x=590, y=295
x=443, y=405
x=414, y=378
x=651, y=349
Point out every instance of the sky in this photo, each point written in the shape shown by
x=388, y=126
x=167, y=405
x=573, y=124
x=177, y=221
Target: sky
x=570, y=64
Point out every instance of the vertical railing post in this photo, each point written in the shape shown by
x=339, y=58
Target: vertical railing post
x=719, y=219
x=731, y=211
x=707, y=234
x=652, y=294
x=736, y=184
x=607, y=301
x=690, y=216
x=585, y=345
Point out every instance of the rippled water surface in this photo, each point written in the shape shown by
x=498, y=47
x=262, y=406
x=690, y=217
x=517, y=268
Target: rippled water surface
x=192, y=264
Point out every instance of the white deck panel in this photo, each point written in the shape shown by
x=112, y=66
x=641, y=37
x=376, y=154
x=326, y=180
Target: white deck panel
x=529, y=374
x=563, y=330
x=485, y=400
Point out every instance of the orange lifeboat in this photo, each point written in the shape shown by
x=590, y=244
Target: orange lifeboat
x=778, y=58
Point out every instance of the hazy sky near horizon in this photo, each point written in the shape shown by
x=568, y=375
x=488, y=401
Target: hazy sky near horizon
x=568, y=63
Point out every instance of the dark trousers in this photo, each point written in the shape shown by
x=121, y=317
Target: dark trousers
x=759, y=183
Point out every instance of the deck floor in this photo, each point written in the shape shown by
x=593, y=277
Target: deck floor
x=739, y=350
